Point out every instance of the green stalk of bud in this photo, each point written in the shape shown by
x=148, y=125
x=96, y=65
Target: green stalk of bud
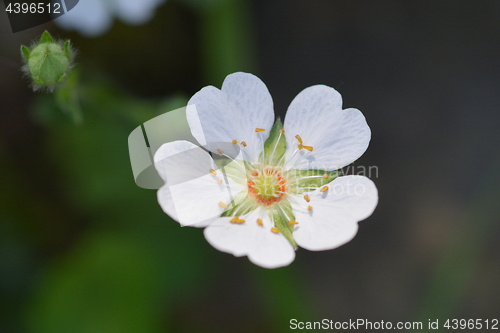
x=48, y=62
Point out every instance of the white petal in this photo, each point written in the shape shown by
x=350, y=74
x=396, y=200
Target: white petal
x=191, y=195
x=333, y=219
x=263, y=247
x=90, y=18
x=338, y=137
x=136, y=12
x=232, y=113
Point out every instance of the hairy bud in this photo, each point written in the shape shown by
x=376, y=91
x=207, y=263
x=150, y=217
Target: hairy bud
x=48, y=62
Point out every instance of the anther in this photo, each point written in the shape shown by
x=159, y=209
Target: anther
x=220, y=152
x=239, y=221
x=234, y=142
x=301, y=146
x=259, y=222
x=276, y=231
x=293, y=222
x=325, y=176
x=259, y=130
x=299, y=138
x=282, y=131
x=324, y=189
x=307, y=198
x=309, y=208
x=310, y=148
x=213, y=173
x=223, y=205
x=234, y=219
x=244, y=143
x=219, y=181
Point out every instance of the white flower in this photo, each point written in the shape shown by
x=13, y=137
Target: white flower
x=277, y=187
x=93, y=18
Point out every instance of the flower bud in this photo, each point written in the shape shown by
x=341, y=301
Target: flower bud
x=47, y=62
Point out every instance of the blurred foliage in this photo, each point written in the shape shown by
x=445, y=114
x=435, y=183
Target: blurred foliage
x=131, y=257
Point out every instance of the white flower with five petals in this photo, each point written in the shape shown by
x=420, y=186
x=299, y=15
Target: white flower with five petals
x=266, y=189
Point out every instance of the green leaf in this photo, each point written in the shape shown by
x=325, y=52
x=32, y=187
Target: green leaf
x=25, y=52
x=281, y=215
x=306, y=180
x=46, y=38
x=275, y=145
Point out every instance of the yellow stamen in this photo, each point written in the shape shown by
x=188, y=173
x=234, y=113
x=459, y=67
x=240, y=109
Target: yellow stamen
x=307, y=198
x=299, y=138
x=293, y=222
x=223, y=205
x=276, y=231
x=234, y=219
x=325, y=176
x=259, y=130
x=239, y=221
x=301, y=146
x=324, y=189
x=309, y=208
x=213, y=173
x=219, y=181
x=282, y=131
x=234, y=141
x=259, y=222
x=244, y=143
x=220, y=152
x=310, y=148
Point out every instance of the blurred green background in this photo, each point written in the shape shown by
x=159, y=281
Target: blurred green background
x=83, y=249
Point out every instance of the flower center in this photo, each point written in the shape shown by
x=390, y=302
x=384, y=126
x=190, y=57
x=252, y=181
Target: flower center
x=267, y=186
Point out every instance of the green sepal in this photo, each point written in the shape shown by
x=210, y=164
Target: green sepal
x=282, y=222
x=25, y=52
x=275, y=143
x=232, y=169
x=299, y=184
x=46, y=38
x=241, y=205
x=48, y=63
x=67, y=49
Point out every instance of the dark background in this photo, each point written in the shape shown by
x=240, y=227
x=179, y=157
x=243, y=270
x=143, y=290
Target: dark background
x=83, y=249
